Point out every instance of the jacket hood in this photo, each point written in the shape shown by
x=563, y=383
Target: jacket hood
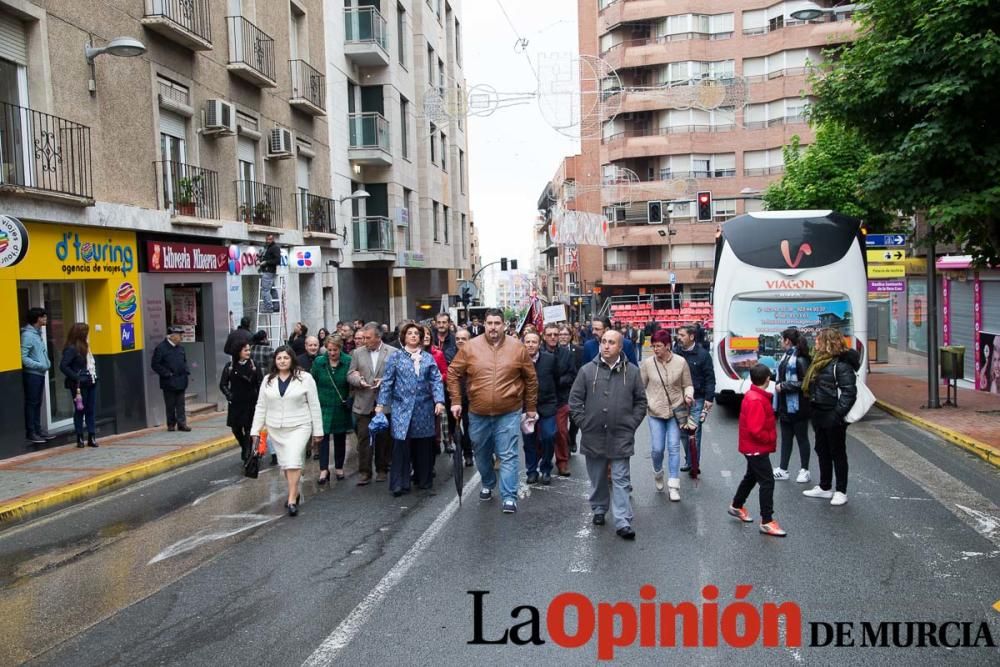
x=851, y=357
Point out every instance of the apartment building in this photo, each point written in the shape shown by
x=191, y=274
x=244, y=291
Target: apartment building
x=513, y=289
x=661, y=147
x=136, y=192
x=397, y=68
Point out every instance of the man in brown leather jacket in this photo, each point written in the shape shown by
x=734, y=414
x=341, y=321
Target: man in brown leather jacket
x=500, y=379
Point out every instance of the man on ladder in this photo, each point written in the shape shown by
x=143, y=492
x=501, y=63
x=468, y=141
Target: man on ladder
x=269, y=262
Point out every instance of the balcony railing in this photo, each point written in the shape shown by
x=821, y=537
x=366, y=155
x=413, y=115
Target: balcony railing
x=251, y=46
x=657, y=266
x=39, y=151
x=192, y=16
x=258, y=203
x=669, y=174
x=373, y=234
x=365, y=26
x=316, y=214
x=764, y=171
x=188, y=190
x=308, y=84
x=369, y=130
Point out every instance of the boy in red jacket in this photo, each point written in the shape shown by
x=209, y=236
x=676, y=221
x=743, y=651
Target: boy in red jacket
x=757, y=440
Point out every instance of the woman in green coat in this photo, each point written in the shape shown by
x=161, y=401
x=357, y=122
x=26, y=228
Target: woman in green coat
x=330, y=372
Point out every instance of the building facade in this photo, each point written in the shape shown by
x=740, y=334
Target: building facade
x=700, y=96
x=145, y=186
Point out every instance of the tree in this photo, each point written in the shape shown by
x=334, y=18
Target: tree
x=825, y=175
x=919, y=86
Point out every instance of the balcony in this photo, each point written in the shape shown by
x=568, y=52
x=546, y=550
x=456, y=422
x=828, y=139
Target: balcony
x=189, y=192
x=366, y=40
x=317, y=215
x=373, y=239
x=308, y=88
x=258, y=204
x=44, y=156
x=623, y=275
x=251, y=53
x=370, y=141
x=186, y=22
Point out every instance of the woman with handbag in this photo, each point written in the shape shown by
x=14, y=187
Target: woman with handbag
x=790, y=406
x=80, y=369
x=288, y=405
x=831, y=385
x=413, y=389
x=669, y=395
x=240, y=384
x=330, y=373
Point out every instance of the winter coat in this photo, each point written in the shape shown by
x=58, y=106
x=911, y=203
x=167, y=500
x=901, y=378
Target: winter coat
x=334, y=393
x=34, y=358
x=702, y=372
x=449, y=347
x=667, y=385
x=757, y=431
x=608, y=405
x=500, y=379
x=240, y=384
x=592, y=349
x=74, y=366
x=298, y=344
x=441, y=360
x=566, y=368
x=306, y=360
x=299, y=405
x=834, y=389
x=411, y=395
x=270, y=259
x=547, y=372
x=170, y=363
x=788, y=387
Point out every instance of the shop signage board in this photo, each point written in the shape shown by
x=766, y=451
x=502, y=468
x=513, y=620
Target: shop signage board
x=885, y=240
x=887, y=255
x=878, y=271
x=886, y=286
x=13, y=241
x=169, y=257
x=306, y=259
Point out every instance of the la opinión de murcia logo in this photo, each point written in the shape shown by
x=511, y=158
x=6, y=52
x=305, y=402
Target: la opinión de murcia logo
x=572, y=620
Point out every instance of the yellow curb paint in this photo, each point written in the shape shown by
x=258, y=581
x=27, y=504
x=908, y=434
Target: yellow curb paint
x=84, y=489
x=996, y=605
x=980, y=449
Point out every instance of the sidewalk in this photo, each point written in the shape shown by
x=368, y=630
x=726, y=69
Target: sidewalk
x=901, y=389
x=58, y=476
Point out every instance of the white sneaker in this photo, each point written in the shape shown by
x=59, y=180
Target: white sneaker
x=674, y=495
x=780, y=474
x=804, y=477
x=658, y=478
x=817, y=492
x=674, y=486
x=839, y=498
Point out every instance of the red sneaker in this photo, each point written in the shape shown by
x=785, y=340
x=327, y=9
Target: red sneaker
x=772, y=528
x=740, y=514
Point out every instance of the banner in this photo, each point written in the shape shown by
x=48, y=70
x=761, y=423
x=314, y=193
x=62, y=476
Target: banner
x=167, y=257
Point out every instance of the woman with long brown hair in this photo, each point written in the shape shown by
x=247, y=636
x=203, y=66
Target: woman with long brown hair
x=80, y=369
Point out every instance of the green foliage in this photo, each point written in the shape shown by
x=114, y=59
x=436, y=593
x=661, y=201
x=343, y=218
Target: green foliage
x=920, y=87
x=824, y=175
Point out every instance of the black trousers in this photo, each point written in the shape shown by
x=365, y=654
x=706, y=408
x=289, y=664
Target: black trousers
x=416, y=454
x=758, y=472
x=797, y=430
x=339, y=451
x=242, y=435
x=173, y=401
x=831, y=450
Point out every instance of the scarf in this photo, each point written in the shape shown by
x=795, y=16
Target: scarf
x=791, y=375
x=415, y=356
x=820, y=361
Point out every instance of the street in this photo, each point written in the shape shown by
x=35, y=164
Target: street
x=202, y=567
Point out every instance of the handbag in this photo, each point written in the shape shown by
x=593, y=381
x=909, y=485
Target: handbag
x=251, y=467
x=862, y=404
x=78, y=401
x=681, y=413
x=343, y=401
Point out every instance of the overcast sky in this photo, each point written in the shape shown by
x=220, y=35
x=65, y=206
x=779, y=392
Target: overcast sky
x=514, y=152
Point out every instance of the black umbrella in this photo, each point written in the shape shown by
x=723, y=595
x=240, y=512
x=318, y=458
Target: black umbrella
x=457, y=460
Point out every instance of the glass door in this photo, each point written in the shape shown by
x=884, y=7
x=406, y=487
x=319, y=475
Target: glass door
x=172, y=152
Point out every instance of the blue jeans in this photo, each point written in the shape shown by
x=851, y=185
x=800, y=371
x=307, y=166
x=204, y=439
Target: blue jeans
x=498, y=435
x=544, y=435
x=699, y=405
x=89, y=396
x=34, y=387
x=665, y=434
x=268, y=305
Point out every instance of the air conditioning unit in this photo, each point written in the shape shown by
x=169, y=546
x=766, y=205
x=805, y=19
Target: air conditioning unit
x=280, y=144
x=220, y=118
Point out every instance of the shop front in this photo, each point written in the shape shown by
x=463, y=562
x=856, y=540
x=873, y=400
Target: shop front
x=77, y=274
x=184, y=284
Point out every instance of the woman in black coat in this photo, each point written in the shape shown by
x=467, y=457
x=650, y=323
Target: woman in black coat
x=297, y=341
x=792, y=406
x=80, y=369
x=240, y=384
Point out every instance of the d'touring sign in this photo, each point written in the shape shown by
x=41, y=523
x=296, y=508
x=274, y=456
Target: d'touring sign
x=13, y=241
x=164, y=257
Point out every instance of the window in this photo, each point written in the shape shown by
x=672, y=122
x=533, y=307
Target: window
x=441, y=77
x=458, y=43
x=444, y=152
x=447, y=222
x=723, y=209
x=430, y=65
x=404, y=125
x=460, y=100
x=408, y=205
x=401, y=32
x=434, y=218
x=433, y=144
x=461, y=171
x=298, y=35
x=465, y=243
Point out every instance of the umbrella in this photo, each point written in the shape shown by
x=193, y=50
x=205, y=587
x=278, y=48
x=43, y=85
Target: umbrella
x=378, y=424
x=693, y=446
x=458, y=461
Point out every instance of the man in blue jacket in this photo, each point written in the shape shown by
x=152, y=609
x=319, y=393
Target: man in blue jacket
x=170, y=363
x=35, y=364
x=703, y=379
x=593, y=345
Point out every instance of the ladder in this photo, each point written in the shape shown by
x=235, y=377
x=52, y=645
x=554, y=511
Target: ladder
x=273, y=323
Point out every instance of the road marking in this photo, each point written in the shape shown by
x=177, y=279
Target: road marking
x=996, y=605
x=583, y=552
x=726, y=473
x=327, y=652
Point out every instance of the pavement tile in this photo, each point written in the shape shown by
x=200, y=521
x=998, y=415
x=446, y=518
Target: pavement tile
x=106, y=456
x=174, y=438
x=14, y=483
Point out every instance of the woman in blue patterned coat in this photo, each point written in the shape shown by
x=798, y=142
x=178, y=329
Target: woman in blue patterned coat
x=413, y=390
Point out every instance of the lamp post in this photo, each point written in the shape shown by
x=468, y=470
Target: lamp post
x=810, y=11
x=121, y=47
x=354, y=196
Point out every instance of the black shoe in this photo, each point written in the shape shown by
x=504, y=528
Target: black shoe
x=183, y=427
x=546, y=479
x=293, y=509
x=91, y=440
x=79, y=441
x=685, y=468
x=36, y=439
x=532, y=478
x=599, y=519
x=323, y=480
x=171, y=428
x=397, y=494
x=46, y=436
x=274, y=459
x=468, y=461
x=486, y=494
x=572, y=448
x=626, y=533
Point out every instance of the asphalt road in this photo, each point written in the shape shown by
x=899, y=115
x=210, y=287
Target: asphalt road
x=201, y=567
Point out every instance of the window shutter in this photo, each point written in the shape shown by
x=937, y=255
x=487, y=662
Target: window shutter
x=13, y=41
x=173, y=124
x=246, y=150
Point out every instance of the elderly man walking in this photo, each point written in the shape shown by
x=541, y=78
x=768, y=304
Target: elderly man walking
x=365, y=376
x=500, y=379
x=608, y=402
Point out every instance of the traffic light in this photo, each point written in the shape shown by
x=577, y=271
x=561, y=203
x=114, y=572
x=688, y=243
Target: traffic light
x=654, y=212
x=503, y=263
x=466, y=296
x=513, y=265
x=704, y=207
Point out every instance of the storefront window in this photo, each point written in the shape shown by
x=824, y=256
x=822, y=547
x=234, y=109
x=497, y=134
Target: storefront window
x=916, y=319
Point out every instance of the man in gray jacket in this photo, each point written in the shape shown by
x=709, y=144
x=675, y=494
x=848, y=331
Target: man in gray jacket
x=608, y=403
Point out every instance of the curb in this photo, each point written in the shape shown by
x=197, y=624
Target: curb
x=26, y=507
x=980, y=449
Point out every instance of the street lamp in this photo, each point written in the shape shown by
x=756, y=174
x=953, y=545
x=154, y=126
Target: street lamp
x=121, y=47
x=811, y=11
x=357, y=194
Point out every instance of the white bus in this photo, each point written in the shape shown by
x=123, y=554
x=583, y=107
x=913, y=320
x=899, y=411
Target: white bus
x=776, y=270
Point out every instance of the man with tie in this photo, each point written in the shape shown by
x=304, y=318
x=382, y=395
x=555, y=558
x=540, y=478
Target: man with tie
x=365, y=375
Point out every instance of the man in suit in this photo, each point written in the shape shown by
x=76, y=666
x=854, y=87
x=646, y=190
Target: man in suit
x=476, y=328
x=170, y=363
x=365, y=375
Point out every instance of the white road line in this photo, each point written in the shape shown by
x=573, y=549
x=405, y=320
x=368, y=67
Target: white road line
x=583, y=551
x=327, y=652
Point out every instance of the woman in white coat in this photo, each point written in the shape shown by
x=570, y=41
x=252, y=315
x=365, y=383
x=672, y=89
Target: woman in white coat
x=288, y=405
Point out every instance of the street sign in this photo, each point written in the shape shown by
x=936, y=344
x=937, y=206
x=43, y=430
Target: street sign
x=673, y=278
x=886, y=286
x=886, y=271
x=884, y=240
x=887, y=255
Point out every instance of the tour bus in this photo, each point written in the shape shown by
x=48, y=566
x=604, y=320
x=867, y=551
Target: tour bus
x=776, y=270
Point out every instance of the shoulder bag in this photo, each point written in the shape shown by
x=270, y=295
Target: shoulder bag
x=862, y=404
x=681, y=413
